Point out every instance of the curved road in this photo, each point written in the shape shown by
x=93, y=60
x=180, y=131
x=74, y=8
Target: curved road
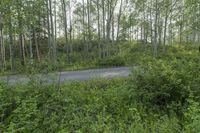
x=69, y=76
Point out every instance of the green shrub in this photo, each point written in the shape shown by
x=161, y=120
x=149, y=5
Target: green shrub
x=162, y=96
x=111, y=61
x=162, y=85
x=94, y=106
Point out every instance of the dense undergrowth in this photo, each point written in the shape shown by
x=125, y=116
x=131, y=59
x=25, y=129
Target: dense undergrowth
x=161, y=96
x=78, y=59
x=121, y=54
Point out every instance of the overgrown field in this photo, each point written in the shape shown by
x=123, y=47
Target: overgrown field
x=161, y=96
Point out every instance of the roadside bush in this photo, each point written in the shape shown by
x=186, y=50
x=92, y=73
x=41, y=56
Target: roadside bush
x=161, y=96
x=96, y=106
x=162, y=85
x=87, y=107
x=112, y=61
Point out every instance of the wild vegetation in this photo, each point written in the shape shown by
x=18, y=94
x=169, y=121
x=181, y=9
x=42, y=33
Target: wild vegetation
x=158, y=39
x=162, y=95
x=80, y=34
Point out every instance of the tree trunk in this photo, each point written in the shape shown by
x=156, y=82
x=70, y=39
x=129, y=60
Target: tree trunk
x=2, y=61
x=71, y=28
x=30, y=47
x=103, y=10
x=113, y=29
x=11, y=43
x=104, y=30
x=155, y=30
x=151, y=22
x=65, y=28
x=55, y=32
x=36, y=44
x=49, y=33
x=21, y=40
x=1, y=49
x=98, y=26
x=84, y=39
x=165, y=30
x=119, y=18
x=88, y=27
x=52, y=32
x=160, y=29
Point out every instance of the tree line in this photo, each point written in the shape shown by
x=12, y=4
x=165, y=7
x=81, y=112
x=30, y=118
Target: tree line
x=25, y=23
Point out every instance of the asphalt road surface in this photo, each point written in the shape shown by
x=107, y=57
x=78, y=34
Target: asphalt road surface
x=69, y=76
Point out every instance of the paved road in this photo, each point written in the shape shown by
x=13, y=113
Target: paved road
x=69, y=76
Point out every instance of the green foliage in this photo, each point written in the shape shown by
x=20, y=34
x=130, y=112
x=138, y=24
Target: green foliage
x=96, y=106
x=161, y=95
x=193, y=116
x=162, y=85
x=85, y=107
x=112, y=61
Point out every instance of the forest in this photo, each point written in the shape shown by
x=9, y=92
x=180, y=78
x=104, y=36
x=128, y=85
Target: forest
x=157, y=40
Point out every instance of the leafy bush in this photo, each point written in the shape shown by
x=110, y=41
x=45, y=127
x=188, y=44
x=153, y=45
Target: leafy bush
x=112, y=61
x=162, y=95
x=85, y=107
x=101, y=105
x=96, y=106
x=163, y=85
